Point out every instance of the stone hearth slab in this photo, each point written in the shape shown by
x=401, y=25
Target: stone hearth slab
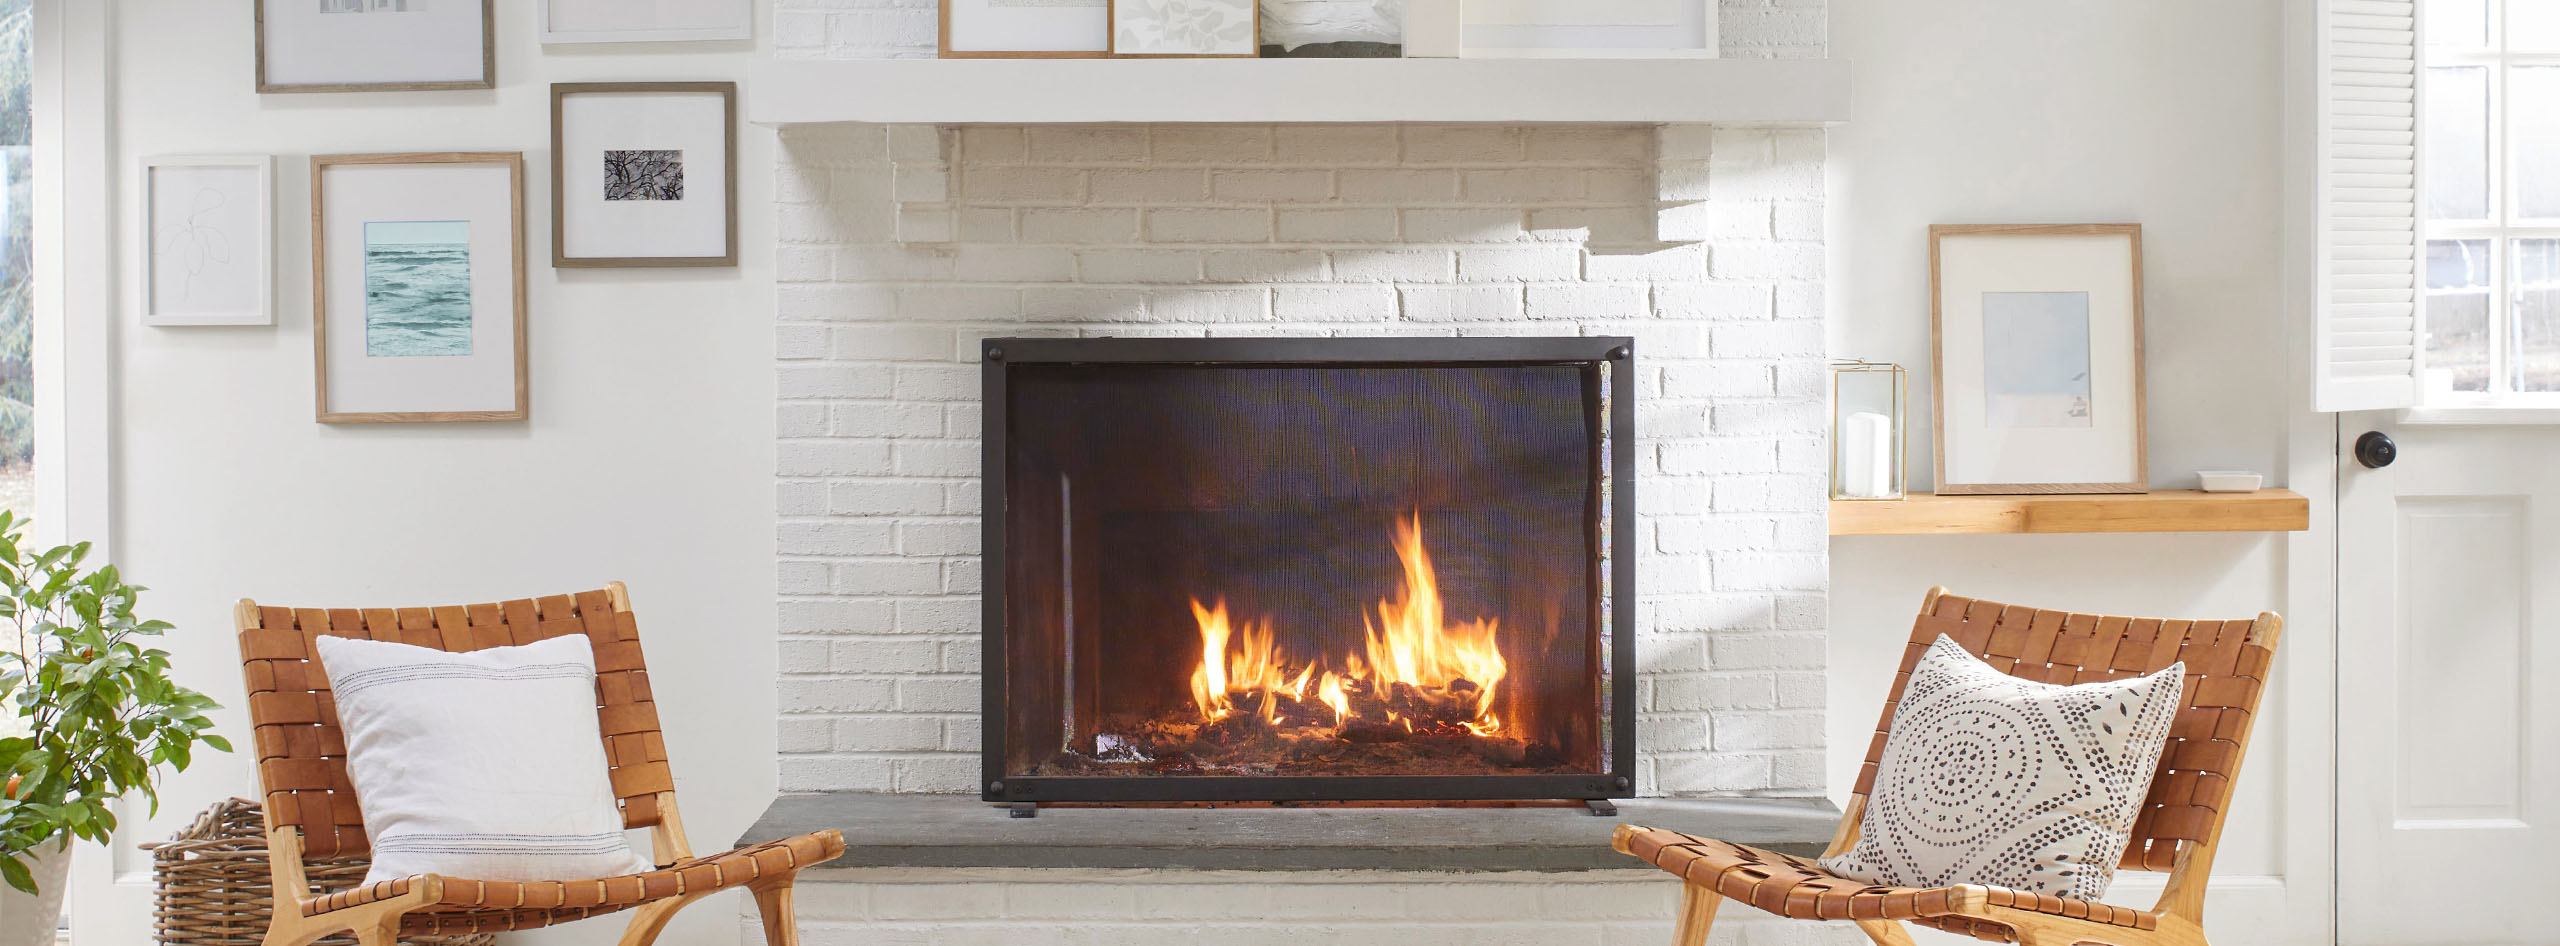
x=959, y=831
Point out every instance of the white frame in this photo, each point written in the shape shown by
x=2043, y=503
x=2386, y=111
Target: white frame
x=2501, y=229
x=745, y=28
x=1709, y=47
x=147, y=230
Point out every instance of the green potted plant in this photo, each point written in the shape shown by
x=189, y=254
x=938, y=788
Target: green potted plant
x=91, y=714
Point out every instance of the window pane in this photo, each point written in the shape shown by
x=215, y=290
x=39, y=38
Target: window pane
x=2532, y=25
x=2458, y=315
x=2461, y=24
x=2457, y=122
x=2534, y=124
x=2534, y=321
x=17, y=297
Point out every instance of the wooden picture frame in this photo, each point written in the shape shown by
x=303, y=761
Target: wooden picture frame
x=560, y=185
x=488, y=61
x=206, y=233
x=2107, y=397
x=743, y=28
x=321, y=166
x=1253, y=38
x=945, y=50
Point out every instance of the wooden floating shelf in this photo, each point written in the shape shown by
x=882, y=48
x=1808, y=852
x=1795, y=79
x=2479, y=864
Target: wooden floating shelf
x=2163, y=510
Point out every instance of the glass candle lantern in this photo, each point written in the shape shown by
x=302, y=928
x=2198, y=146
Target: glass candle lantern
x=1866, y=430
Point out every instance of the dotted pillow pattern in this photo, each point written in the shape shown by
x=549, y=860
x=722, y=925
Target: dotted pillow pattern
x=1990, y=779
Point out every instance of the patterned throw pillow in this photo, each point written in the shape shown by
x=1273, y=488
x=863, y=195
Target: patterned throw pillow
x=487, y=765
x=1990, y=779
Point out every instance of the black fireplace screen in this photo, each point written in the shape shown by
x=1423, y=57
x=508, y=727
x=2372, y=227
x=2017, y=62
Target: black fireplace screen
x=1232, y=569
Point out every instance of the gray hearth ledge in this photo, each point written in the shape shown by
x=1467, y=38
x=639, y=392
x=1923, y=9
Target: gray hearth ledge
x=958, y=831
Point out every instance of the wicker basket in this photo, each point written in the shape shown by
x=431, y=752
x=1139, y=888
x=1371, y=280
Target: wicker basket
x=214, y=890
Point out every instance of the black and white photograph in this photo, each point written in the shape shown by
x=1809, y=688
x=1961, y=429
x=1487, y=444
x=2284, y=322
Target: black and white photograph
x=644, y=174
x=375, y=45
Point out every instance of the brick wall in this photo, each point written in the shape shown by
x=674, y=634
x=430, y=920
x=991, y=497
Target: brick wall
x=905, y=29
x=1095, y=908
x=1295, y=230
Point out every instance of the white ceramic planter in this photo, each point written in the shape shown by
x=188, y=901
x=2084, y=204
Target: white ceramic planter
x=31, y=920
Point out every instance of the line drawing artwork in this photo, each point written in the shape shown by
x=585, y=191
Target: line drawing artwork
x=198, y=244
x=644, y=175
x=372, y=6
x=417, y=288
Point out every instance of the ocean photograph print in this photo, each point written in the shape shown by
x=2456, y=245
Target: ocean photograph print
x=418, y=288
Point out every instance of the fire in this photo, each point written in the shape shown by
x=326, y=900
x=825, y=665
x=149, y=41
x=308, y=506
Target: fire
x=1415, y=666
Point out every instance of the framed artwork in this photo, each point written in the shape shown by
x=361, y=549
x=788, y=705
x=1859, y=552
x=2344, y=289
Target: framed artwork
x=418, y=287
x=644, y=174
x=375, y=45
x=1187, y=29
x=1590, y=29
x=208, y=235
x=660, y=21
x=1026, y=29
x=2038, y=374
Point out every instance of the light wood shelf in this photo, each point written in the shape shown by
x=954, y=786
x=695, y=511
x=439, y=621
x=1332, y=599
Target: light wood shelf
x=2163, y=510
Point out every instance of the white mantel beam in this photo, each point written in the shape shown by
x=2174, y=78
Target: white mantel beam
x=1026, y=91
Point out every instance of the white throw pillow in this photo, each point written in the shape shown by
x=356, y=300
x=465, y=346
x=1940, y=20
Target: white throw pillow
x=1990, y=779
x=486, y=765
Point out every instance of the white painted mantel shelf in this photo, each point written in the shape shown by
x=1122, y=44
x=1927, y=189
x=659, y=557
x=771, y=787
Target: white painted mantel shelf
x=1024, y=91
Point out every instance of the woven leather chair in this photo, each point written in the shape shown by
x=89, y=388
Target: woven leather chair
x=2181, y=819
x=312, y=810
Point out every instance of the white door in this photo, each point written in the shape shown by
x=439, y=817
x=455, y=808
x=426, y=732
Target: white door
x=2448, y=733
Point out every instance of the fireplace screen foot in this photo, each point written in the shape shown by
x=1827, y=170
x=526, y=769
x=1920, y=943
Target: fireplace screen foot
x=1601, y=807
x=1025, y=809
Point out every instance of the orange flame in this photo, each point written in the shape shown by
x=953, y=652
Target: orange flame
x=1410, y=649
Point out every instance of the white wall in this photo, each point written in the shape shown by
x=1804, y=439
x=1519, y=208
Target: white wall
x=648, y=457
x=2029, y=111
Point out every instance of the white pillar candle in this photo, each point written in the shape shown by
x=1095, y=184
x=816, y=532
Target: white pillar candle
x=1866, y=456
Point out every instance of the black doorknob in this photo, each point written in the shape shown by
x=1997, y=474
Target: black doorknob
x=2375, y=450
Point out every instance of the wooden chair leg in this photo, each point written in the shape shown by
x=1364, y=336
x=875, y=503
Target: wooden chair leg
x=774, y=903
x=1697, y=915
x=382, y=932
x=1885, y=932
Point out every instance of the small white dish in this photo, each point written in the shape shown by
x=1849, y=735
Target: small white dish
x=2229, y=481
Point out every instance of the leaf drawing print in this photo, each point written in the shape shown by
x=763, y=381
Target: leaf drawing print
x=1175, y=27
x=196, y=243
x=644, y=175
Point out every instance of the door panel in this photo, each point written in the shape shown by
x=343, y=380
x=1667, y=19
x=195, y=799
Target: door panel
x=2448, y=679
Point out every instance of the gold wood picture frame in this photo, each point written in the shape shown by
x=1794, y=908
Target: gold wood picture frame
x=488, y=51
x=406, y=267
x=2036, y=377
x=726, y=187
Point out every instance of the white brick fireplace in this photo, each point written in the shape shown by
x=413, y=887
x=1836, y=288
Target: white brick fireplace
x=904, y=245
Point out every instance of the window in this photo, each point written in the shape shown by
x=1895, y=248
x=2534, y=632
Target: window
x=2491, y=201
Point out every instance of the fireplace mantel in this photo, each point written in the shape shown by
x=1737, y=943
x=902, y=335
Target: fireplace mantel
x=1034, y=91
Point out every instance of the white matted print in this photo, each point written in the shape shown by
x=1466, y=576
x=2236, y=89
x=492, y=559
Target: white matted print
x=364, y=45
x=1587, y=29
x=1035, y=29
x=207, y=233
x=645, y=21
x=2039, y=358
x=419, y=287
x=644, y=174
x=1186, y=28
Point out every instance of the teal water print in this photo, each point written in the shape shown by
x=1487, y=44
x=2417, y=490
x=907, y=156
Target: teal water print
x=417, y=288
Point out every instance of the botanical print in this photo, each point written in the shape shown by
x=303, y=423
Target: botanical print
x=644, y=175
x=197, y=243
x=417, y=288
x=372, y=6
x=2035, y=359
x=1184, y=27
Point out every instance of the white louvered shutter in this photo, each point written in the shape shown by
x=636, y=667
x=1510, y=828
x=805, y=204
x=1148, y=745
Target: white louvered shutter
x=2367, y=322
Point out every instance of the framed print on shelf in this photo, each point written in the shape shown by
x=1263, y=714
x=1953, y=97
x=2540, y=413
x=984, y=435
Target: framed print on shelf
x=644, y=174
x=1026, y=29
x=1186, y=29
x=208, y=235
x=375, y=45
x=1590, y=29
x=2038, y=381
x=418, y=287
x=661, y=21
